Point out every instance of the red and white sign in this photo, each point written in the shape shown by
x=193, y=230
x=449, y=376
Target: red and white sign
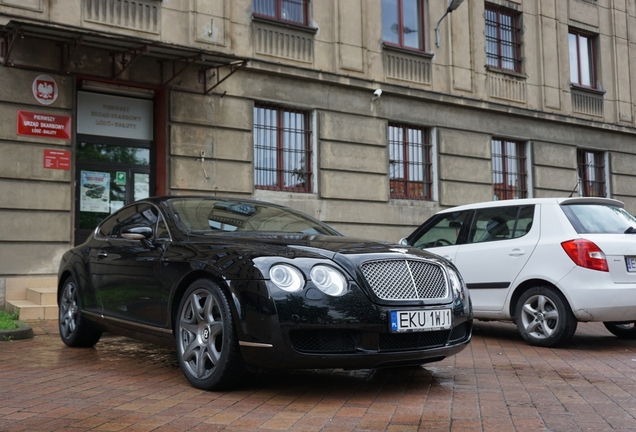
x=44, y=89
x=44, y=125
x=57, y=159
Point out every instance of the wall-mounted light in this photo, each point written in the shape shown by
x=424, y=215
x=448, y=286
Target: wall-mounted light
x=452, y=5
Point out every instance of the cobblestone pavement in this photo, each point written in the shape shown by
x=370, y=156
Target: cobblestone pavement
x=498, y=383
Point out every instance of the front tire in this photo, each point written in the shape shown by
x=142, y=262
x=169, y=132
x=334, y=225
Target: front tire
x=544, y=317
x=75, y=330
x=207, y=345
x=624, y=330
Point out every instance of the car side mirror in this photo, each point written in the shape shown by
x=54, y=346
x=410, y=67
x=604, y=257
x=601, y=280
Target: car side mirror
x=403, y=242
x=136, y=232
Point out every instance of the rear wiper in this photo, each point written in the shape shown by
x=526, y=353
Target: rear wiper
x=630, y=230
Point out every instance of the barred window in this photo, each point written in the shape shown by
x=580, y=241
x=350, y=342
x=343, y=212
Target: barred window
x=282, y=151
x=503, y=39
x=591, y=170
x=294, y=11
x=409, y=162
x=509, y=169
x=403, y=23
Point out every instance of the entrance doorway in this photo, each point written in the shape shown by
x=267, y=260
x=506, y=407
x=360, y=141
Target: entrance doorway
x=114, y=156
x=109, y=174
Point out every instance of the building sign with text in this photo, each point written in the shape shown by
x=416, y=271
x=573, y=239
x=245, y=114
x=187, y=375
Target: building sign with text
x=44, y=125
x=57, y=159
x=114, y=116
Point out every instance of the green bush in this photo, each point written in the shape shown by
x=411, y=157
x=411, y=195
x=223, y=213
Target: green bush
x=8, y=321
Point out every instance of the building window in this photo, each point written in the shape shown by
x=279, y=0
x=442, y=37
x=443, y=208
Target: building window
x=503, y=39
x=293, y=11
x=509, y=169
x=282, y=150
x=409, y=162
x=591, y=170
x=403, y=23
x=582, y=63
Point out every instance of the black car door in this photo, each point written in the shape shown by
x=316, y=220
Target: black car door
x=126, y=271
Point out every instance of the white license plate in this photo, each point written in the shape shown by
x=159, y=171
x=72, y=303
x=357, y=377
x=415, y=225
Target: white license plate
x=414, y=321
x=631, y=264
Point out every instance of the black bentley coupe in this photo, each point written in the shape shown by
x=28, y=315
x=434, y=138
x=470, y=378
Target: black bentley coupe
x=246, y=286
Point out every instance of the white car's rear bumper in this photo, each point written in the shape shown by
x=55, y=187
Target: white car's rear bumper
x=593, y=296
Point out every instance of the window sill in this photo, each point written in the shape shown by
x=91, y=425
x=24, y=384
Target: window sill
x=506, y=72
x=589, y=90
x=284, y=24
x=403, y=50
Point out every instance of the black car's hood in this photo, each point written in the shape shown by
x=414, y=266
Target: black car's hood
x=302, y=245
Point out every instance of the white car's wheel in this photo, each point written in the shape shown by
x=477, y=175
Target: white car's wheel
x=207, y=345
x=544, y=317
x=624, y=330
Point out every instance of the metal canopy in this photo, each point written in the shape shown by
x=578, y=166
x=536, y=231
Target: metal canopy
x=214, y=67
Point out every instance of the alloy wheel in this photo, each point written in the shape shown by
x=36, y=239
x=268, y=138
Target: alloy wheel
x=539, y=316
x=201, y=334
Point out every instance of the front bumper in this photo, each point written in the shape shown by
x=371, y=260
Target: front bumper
x=303, y=331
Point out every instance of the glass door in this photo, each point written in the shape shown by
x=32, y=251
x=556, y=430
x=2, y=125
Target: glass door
x=109, y=174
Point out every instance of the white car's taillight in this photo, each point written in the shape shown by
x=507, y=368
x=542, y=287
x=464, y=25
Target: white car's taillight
x=586, y=254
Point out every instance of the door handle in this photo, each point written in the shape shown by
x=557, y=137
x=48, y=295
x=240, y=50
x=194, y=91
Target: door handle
x=102, y=254
x=517, y=252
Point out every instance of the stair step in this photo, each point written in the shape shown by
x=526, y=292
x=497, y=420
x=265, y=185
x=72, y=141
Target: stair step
x=31, y=311
x=16, y=288
x=42, y=296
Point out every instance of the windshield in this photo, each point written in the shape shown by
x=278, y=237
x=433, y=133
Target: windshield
x=204, y=216
x=599, y=219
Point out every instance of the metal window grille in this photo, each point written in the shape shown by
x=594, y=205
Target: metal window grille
x=294, y=11
x=591, y=170
x=282, y=151
x=582, y=59
x=509, y=169
x=503, y=39
x=409, y=162
x=403, y=23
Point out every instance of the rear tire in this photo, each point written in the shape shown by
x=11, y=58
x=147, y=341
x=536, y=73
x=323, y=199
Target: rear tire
x=75, y=330
x=544, y=317
x=623, y=330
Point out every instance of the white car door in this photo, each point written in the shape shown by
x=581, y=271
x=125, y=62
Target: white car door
x=440, y=234
x=499, y=244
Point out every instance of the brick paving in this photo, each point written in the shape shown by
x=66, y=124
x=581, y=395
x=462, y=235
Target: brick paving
x=497, y=384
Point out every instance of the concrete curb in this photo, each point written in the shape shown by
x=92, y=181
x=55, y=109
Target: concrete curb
x=24, y=331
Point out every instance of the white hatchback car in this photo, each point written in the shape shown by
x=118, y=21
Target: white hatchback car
x=544, y=263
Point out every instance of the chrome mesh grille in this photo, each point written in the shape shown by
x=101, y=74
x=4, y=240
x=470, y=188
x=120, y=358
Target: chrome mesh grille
x=405, y=280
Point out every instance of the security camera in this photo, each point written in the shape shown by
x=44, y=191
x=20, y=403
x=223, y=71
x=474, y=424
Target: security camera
x=377, y=94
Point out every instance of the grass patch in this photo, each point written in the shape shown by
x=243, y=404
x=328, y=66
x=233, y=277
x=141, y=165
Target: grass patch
x=8, y=321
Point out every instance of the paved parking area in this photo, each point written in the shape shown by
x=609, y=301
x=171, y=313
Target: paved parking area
x=497, y=384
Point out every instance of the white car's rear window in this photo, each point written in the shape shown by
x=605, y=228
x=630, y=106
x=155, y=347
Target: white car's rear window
x=599, y=219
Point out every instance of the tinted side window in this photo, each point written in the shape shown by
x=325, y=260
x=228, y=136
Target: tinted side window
x=443, y=231
x=524, y=222
x=142, y=215
x=162, y=229
x=106, y=228
x=501, y=223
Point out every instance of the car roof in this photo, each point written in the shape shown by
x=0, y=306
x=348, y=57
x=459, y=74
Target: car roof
x=531, y=201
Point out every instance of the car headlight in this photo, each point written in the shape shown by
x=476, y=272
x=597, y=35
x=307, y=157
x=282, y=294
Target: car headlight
x=456, y=284
x=328, y=280
x=286, y=277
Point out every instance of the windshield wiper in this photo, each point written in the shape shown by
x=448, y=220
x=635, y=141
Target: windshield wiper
x=630, y=230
